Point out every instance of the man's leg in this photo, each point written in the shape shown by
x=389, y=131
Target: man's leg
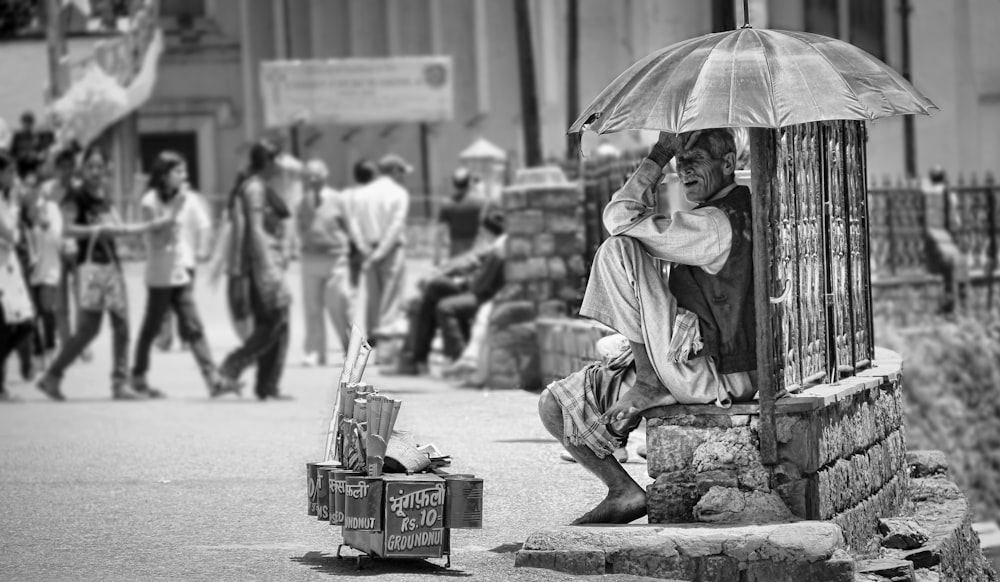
x=454, y=316
x=626, y=500
x=625, y=290
x=426, y=318
x=393, y=268
x=314, y=279
x=337, y=297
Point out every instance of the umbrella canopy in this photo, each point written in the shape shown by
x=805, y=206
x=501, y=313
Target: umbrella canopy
x=751, y=78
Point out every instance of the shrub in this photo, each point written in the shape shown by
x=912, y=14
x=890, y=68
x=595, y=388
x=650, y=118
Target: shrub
x=951, y=384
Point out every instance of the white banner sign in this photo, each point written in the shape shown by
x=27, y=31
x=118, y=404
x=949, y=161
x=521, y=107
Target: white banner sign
x=357, y=91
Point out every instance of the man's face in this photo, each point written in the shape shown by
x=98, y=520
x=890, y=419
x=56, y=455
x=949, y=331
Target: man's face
x=315, y=179
x=399, y=175
x=65, y=170
x=701, y=175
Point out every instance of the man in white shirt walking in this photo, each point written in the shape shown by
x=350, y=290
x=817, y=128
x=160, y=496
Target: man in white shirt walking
x=380, y=211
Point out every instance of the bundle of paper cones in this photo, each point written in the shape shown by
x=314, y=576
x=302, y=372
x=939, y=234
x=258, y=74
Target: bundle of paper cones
x=355, y=360
x=382, y=412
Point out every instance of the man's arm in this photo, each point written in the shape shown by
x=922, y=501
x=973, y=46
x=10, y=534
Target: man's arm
x=698, y=237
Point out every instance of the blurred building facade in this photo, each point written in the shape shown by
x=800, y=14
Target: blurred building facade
x=207, y=102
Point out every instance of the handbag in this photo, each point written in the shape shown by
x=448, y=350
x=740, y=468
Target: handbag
x=101, y=284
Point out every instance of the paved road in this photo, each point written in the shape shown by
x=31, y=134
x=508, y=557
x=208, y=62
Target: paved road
x=195, y=489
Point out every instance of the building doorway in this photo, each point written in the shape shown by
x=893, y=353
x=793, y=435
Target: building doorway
x=184, y=143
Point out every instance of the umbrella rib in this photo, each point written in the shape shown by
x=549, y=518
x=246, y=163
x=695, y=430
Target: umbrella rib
x=770, y=76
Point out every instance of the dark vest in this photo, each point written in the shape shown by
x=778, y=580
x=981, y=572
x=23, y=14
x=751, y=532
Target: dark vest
x=724, y=302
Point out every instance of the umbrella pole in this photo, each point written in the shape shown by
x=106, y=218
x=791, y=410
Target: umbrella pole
x=746, y=14
x=762, y=175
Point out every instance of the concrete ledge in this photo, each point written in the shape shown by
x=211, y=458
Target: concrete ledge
x=942, y=509
x=860, y=523
x=774, y=553
x=886, y=368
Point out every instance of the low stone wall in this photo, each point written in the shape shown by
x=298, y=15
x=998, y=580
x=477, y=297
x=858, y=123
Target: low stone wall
x=841, y=450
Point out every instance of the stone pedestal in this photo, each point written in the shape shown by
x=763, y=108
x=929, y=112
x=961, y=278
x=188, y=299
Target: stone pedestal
x=841, y=450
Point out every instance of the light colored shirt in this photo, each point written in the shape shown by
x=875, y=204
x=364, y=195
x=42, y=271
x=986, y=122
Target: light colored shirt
x=701, y=237
x=323, y=227
x=47, y=235
x=173, y=251
x=380, y=209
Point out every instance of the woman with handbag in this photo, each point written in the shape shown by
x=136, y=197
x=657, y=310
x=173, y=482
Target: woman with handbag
x=256, y=271
x=16, y=310
x=90, y=217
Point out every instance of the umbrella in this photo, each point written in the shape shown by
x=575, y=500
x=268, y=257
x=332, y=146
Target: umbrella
x=751, y=78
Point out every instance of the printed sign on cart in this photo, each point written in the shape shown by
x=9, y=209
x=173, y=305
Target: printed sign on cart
x=414, y=524
x=357, y=91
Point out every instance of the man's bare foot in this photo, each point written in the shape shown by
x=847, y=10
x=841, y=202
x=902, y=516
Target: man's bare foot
x=621, y=508
x=638, y=398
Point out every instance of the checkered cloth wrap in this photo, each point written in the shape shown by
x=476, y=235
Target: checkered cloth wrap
x=686, y=337
x=584, y=396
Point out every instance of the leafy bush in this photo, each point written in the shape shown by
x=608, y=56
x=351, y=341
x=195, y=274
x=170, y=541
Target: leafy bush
x=951, y=395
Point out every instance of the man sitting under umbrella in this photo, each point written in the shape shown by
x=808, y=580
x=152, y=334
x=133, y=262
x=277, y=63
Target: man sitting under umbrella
x=692, y=337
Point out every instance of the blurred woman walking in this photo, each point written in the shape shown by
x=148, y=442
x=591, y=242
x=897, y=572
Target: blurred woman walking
x=172, y=256
x=16, y=311
x=256, y=271
x=45, y=229
x=90, y=218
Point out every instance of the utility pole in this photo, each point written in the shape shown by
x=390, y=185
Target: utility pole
x=529, y=92
x=572, y=76
x=55, y=44
x=909, y=138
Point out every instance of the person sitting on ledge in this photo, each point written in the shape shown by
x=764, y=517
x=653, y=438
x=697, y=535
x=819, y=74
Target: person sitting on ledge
x=691, y=337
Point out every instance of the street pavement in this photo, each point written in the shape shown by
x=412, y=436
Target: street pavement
x=189, y=488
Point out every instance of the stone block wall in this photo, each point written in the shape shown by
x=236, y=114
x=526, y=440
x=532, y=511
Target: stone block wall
x=544, y=272
x=545, y=245
x=841, y=449
x=567, y=345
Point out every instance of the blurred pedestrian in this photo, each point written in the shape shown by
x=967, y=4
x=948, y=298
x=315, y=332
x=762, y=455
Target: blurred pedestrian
x=323, y=235
x=236, y=301
x=170, y=267
x=16, y=311
x=450, y=298
x=460, y=216
x=90, y=217
x=364, y=172
x=44, y=227
x=68, y=300
x=380, y=211
x=29, y=145
x=199, y=239
x=256, y=268
x=24, y=184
